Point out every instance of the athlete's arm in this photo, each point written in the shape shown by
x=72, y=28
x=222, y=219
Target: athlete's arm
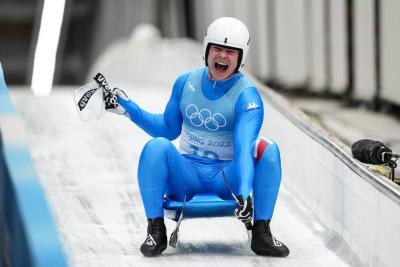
x=249, y=112
x=168, y=124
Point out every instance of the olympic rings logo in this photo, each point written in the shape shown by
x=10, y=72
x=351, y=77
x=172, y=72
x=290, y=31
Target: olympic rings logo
x=204, y=117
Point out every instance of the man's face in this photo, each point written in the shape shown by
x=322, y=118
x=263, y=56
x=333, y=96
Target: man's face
x=222, y=62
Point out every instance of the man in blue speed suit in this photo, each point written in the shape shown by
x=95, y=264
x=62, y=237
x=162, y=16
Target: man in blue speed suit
x=217, y=112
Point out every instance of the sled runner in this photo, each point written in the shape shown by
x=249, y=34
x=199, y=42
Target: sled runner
x=200, y=206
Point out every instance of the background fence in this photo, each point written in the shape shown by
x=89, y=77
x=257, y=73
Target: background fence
x=346, y=48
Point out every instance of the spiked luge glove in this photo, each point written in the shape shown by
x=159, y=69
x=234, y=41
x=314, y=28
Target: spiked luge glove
x=244, y=211
x=112, y=104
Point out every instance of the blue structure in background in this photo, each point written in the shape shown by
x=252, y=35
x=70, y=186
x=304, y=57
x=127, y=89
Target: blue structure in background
x=28, y=235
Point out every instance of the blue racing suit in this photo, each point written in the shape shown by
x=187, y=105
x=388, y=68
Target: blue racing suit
x=218, y=123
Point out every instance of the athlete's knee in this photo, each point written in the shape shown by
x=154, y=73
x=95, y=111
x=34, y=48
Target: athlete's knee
x=266, y=149
x=158, y=145
x=152, y=162
x=268, y=164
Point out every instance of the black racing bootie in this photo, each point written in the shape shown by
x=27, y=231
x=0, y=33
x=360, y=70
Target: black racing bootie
x=156, y=240
x=263, y=243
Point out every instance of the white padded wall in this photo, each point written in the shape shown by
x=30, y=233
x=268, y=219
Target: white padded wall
x=364, y=50
x=390, y=50
x=338, y=46
x=259, y=62
x=347, y=198
x=290, y=42
x=316, y=45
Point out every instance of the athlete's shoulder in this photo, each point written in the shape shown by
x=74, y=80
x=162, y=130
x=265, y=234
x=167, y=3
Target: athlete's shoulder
x=251, y=93
x=249, y=99
x=247, y=82
x=248, y=87
x=183, y=78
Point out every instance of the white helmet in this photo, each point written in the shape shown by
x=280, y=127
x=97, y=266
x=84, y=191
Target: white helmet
x=229, y=32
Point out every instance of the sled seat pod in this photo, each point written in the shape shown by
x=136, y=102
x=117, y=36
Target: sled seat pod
x=201, y=205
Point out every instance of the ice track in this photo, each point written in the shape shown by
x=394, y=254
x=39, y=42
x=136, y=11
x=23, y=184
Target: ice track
x=88, y=171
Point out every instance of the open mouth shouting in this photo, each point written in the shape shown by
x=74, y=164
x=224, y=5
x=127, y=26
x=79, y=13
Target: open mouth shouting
x=221, y=67
x=222, y=62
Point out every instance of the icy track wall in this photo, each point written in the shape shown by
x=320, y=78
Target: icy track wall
x=28, y=235
x=360, y=209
